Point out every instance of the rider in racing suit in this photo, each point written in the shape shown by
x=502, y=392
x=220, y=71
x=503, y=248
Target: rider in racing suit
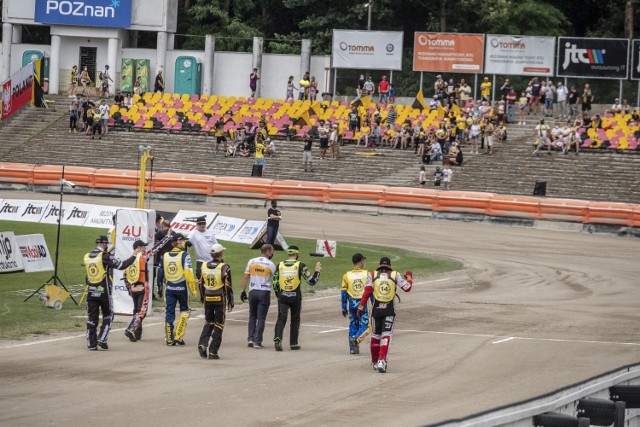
x=351, y=292
x=383, y=285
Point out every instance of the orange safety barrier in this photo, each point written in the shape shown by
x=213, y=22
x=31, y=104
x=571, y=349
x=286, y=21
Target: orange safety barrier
x=259, y=188
x=411, y=198
x=514, y=206
x=166, y=182
x=116, y=179
x=609, y=213
x=299, y=190
x=355, y=194
x=17, y=173
x=626, y=214
x=563, y=209
x=463, y=201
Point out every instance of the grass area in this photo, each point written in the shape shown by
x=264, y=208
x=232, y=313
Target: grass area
x=18, y=319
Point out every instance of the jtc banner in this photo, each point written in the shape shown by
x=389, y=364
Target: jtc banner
x=87, y=13
x=10, y=259
x=131, y=225
x=635, y=60
x=519, y=55
x=457, y=53
x=17, y=91
x=595, y=58
x=367, y=50
x=35, y=254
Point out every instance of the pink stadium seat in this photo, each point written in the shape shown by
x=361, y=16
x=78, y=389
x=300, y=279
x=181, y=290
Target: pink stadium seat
x=633, y=143
x=348, y=135
x=139, y=123
x=587, y=143
x=177, y=126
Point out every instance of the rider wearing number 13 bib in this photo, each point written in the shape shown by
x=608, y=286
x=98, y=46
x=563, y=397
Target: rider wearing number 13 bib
x=383, y=284
x=352, y=289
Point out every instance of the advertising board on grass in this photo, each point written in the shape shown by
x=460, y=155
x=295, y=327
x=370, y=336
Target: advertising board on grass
x=10, y=258
x=35, y=254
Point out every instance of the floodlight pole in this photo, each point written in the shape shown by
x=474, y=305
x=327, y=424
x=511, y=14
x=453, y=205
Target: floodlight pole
x=56, y=280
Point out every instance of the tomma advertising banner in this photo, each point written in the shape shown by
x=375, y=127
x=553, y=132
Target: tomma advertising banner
x=594, y=58
x=367, y=50
x=519, y=55
x=457, y=53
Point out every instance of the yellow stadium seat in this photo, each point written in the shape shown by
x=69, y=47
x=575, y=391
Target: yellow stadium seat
x=148, y=124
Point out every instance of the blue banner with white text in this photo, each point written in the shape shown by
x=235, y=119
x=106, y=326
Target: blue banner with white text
x=86, y=13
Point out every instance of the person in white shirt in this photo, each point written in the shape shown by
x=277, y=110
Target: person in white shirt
x=446, y=176
x=104, y=116
x=616, y=107
x=562, y=93
x=202, y=241
x=543, y=133
x=258, y=276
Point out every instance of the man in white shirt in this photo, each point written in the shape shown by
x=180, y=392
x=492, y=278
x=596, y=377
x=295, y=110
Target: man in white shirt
x=446, y=176
x=562, y=93
x=258, y=276
x=202, y=240
x=543, y=133
x=104, y=116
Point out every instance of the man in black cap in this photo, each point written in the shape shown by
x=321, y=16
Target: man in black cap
x=99, y=265
x=273, y=222
x=383, y=284
x=178, y=275
x=202, y=240
x=286, y=284
x=138, y=286
x=352, y=289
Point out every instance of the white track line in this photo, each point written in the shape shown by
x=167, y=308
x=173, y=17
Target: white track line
x=504, y=340
x=333, y=330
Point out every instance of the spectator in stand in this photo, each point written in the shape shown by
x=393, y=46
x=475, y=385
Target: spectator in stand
x=369, y=87
x=105, y=78
x=505, y=89
x=361, y=80
x=334, y=143
x=313, y=89
x=128, y=101
x=365, y=130
x=323, y=132
x=118, y=99
x=523, y=108
x=305, y=84
x=511, y=97
x=253, y=82
x=437, y=178
x=562, y=93
x=374, y=136
x=616, y=108
x=488, y=132
x=358, y=95
x=587, y=99
x=158, y=85
x=74, y=81
x=474, y=133
x=354, y=119
x=244, y=150
x=392, y=93
x=137, y=87
x=534, y=100
x=439, y=89
x=73, y=116
x=436, y=151
x=465, y=93
x=447, y=173
x=625, y=107
x=87, y=114
x=500, y=133
x=549, y=91
x=485, y=89
x=392, y=116
x=85, y=79
x=543, y=132
x=422, y=178
x=307, y=158
x=96, y=123
x=452, y=92
x=104, y=116
x=383, y=90
x=290, y=89
x=574, y=99
x=219, y=132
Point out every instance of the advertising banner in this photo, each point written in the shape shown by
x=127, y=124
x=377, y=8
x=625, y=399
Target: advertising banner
x=326, y=247
x=35, y=254
x=72, y=213
x=519, y=55
x=131, y=225
x=17, y=91
x=23, y=210
x=595, y=58
x=444, y=52
x=10, y=209
x=10, y=259
x=225, y=227
x=249, y=232
x=101, y=217
x=185, y=221
x=635, y=60
x=367, y=50
x=86, y=13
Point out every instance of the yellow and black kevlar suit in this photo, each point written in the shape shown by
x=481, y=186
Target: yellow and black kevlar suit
x=178, y=275
x=216, y=293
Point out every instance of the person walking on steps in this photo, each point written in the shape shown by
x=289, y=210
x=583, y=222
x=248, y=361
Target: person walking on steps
x=216, y=293
x=138, y=287
x=383, y=284
x=286, y=284
x=351, y=290
x=178, y=276
x=99, y=265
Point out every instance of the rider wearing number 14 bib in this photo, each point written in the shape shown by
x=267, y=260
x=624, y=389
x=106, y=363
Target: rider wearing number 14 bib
x=383, y=284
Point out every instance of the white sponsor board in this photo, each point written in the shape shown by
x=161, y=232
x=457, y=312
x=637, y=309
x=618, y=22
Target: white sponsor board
x=10, y=259
x=10, y=208
x=72, y=213
x=185, y=221
x=371, y=50
x=519, y=55
x=132, y=224
x=101, y=217
x=23, y=210
x=249, y=231
x=326, y=247
x=35, y=254
x=225, y=227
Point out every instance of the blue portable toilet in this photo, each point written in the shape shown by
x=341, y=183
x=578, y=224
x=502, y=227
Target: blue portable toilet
x=188, y=74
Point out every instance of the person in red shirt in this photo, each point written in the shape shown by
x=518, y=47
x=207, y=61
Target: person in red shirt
x=383, y=90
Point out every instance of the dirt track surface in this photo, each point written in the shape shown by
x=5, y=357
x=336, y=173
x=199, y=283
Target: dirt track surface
x=533, y=311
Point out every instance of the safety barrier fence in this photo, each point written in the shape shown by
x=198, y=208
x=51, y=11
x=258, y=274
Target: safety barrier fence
x=494, y=205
